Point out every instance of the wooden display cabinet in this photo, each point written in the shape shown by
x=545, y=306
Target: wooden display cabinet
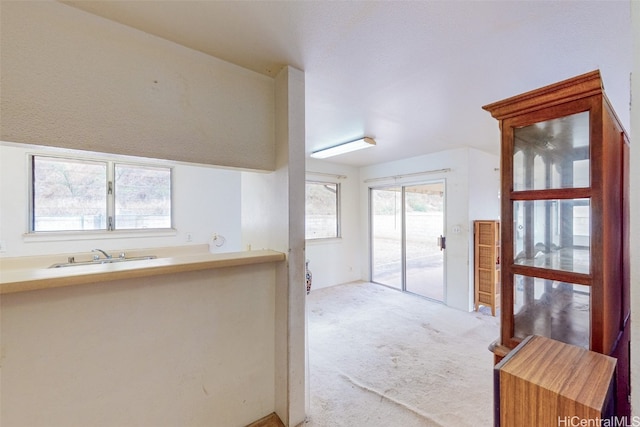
x=565, y=219
x=487, y=264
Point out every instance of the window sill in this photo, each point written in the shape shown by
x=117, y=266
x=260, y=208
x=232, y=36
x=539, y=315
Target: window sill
x=58, y=236
x=324, y=241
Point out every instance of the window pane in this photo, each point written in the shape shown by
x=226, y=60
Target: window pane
x=321, y=210
x=552, y=234
x=552, y=154
x=552, y=309
x=69, y=195
x=142, y=197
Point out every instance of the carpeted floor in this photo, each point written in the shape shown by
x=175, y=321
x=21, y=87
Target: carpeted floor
x=380, y=357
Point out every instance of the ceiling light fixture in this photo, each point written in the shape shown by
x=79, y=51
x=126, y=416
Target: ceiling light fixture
x=346, y=147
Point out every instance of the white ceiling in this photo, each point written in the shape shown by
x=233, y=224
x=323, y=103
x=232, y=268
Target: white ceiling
x=411, y=74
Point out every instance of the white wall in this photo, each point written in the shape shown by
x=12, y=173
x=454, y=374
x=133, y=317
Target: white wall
x=635, y=213
x=187, y=349
x=484, y=185
x=205, y=200
x=336, y=261
x=459, y=286
x=72, y=79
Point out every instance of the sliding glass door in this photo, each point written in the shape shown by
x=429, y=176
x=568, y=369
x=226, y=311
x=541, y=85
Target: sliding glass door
x=386, y=236
x=407, y=223
x=424, y=226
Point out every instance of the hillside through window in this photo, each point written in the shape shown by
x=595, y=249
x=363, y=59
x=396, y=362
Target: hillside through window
x=322, y=210
x=90, y=195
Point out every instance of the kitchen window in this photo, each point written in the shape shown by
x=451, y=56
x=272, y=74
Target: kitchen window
x=322, y=205
x=98, y=195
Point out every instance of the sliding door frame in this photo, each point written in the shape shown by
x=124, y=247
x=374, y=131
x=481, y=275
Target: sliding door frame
x=403, y=231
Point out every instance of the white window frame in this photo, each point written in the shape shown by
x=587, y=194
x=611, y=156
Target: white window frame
x=338, y=234
x=110, y=230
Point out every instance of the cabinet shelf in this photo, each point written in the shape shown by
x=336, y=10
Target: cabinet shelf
x=575, y=259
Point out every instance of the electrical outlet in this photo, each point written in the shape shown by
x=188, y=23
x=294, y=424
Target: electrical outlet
x=3, y=246
x=189, y=236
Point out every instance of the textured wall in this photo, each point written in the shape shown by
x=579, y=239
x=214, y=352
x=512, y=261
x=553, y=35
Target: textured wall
x=71, y=79
x=188, y=349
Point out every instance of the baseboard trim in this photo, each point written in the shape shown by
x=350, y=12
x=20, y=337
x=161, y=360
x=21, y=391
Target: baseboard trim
x=271, y=420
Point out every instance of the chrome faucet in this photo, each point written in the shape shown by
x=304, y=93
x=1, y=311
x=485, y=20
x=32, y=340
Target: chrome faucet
x=97, y=257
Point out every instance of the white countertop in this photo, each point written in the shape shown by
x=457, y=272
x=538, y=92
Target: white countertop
x=21, y=275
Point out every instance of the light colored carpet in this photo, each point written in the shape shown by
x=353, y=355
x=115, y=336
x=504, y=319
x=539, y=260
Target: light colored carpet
x=380, y=357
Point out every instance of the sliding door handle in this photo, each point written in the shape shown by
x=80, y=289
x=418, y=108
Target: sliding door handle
x=442, y=242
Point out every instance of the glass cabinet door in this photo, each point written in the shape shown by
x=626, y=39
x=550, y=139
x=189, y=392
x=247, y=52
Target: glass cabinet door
x=553, y=309
x=552, y=154
x=552, y=228
x=552, y=234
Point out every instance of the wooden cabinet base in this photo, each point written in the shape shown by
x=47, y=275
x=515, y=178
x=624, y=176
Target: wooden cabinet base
x=544, y=382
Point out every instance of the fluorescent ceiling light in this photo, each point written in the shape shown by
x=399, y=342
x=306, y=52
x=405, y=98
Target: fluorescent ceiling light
x=347, y=147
